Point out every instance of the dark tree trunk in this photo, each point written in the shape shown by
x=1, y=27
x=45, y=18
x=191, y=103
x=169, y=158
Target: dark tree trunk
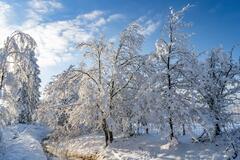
x=217, y=128
x=107, y=133
x=138, y=128
x=110, y=136
x=184, y=131
x=146, y=130
x=170, y=86
x=171, y=128
x=105, y=130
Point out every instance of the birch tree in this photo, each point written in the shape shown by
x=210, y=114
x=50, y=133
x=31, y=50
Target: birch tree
x=112, y=69
x=169, y=57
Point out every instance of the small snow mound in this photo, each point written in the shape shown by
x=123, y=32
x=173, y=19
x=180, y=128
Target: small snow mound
x=171, y=144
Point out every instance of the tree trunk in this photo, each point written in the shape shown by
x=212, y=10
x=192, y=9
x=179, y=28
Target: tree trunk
x=171, y=128
x=146, y=130
x=107, y=133
x=105, y=130
x=217, y=127
x=110, y=133
x=184, y=131
x=138, y=124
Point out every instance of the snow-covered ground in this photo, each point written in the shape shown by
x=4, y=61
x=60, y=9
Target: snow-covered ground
x=23, y=142
x=145, y=147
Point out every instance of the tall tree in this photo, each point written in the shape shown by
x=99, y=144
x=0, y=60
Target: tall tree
x=217, y=83
x=22, y=80
x=163, y=68
x=111, y=72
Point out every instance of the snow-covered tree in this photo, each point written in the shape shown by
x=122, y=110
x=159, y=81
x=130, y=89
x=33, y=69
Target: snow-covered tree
x=217, y=84
x=164, y=85
x=110, y=72
x=21, y=84
x=63, y=89
x=59, y=97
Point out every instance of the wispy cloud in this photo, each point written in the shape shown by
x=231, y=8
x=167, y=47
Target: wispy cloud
x=5, y=10
x=36, y=10
x=115, y=17
x=149, y=25
x=44, y=6
x=92, y=15
x=57, y=39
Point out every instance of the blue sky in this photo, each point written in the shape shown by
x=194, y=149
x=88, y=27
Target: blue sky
x=214, y=21
x=57, y=25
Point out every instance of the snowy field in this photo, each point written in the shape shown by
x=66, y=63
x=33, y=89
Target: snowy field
x=23, y=142
x=144, y=147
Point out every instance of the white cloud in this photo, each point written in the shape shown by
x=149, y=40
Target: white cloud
x=115, y=17
x=92, y=15
x=5, y=10
x=44, y=6
x=149, y=25
x=100, y=22
x=56, y=40
x=38, y=8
